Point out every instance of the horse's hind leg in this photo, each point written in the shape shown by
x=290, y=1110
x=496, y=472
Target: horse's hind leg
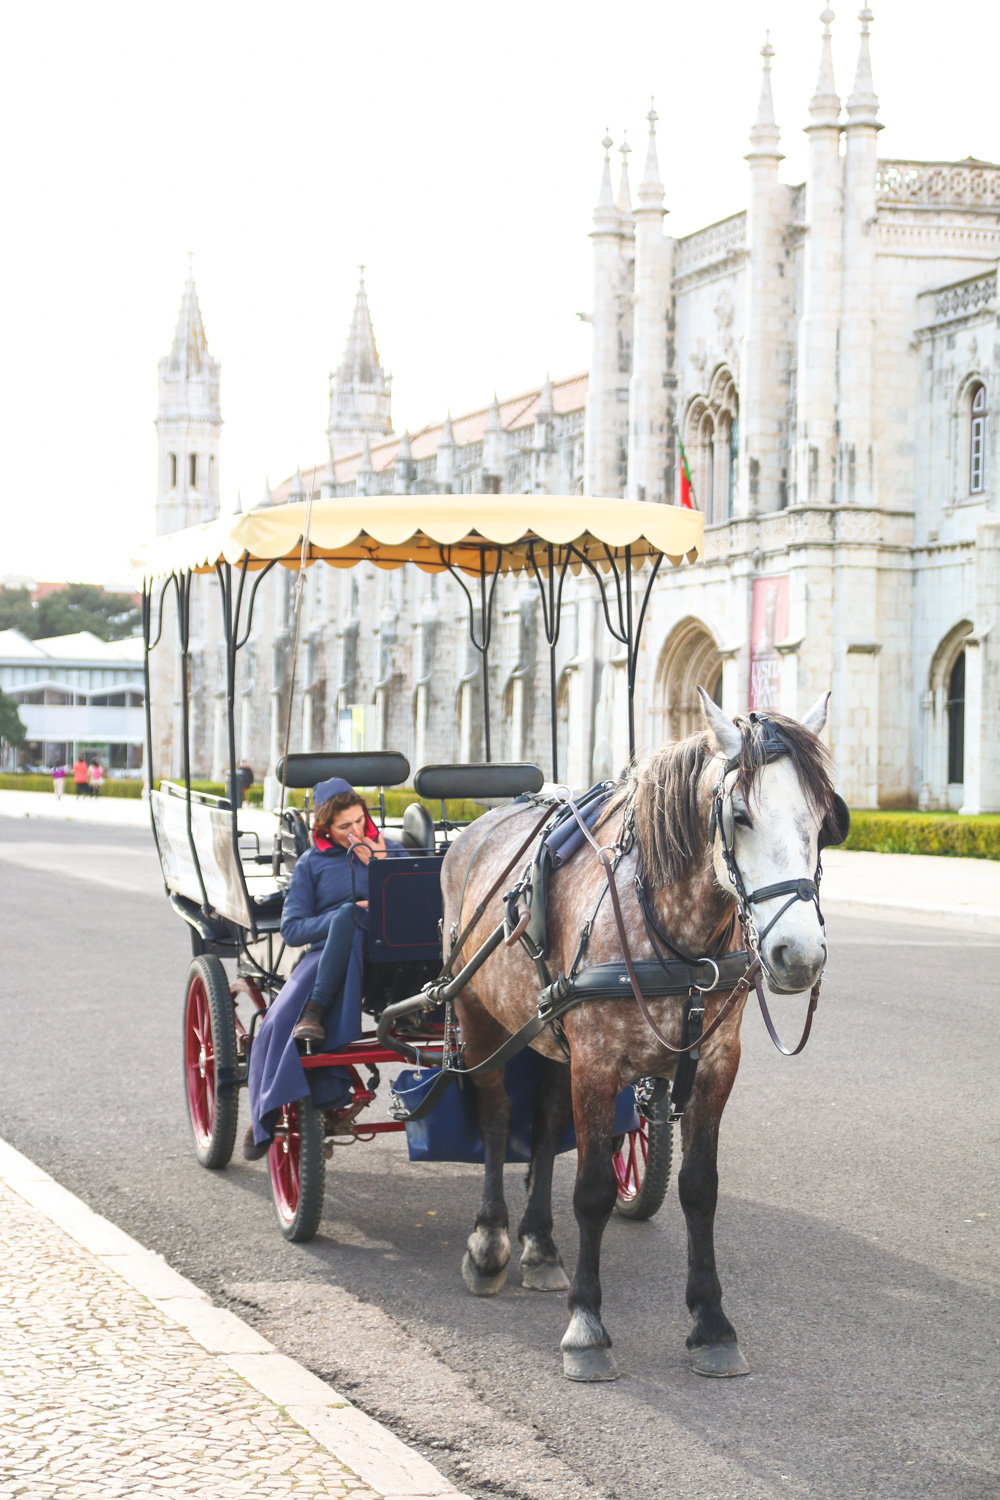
x=484, y=1267
x=586, y=1344
x=712, y=1341
x=541, y=1263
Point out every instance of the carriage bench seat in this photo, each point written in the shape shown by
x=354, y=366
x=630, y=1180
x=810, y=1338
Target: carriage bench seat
x=359, y=767
x=476, y=780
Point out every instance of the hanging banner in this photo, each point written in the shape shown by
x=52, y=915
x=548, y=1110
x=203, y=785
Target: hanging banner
x=768, y=624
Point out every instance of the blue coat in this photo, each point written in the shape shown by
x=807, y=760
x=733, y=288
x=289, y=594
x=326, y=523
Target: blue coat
x=322, y=882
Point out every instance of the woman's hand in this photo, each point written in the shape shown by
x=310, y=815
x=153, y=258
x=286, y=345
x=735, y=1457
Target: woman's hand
x=365, y=848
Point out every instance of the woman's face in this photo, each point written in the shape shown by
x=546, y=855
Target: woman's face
x=348, y=827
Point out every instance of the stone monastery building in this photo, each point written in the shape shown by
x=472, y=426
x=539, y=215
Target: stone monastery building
x=830, y=360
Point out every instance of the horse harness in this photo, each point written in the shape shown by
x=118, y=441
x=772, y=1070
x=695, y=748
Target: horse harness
x=647, y=979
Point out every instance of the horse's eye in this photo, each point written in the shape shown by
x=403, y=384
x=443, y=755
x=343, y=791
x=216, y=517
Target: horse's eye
x=741, y=818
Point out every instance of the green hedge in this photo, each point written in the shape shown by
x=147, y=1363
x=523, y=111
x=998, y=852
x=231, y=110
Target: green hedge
x=976, y=837
x=18, y=781
x=396, y=798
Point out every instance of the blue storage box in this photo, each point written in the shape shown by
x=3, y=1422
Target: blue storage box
x=451, y=1131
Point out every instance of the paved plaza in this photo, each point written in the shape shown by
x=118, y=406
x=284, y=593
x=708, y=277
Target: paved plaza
x=106, y=1391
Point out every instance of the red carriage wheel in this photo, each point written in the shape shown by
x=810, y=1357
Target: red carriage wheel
x=209, y=1061
x=297, y=1164
x=642, y=1160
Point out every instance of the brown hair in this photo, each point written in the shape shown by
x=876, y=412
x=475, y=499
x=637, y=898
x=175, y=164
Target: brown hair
x=333, y=806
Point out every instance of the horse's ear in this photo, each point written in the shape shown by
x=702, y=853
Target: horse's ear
x=722, y=729
x=836, y=825
x=815, y=719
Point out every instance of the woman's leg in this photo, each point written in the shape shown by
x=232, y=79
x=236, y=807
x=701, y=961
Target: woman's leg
x=330, y=975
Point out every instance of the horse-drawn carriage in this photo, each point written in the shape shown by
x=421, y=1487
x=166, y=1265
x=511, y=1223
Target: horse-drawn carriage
x=426, y=958
x=228, y=883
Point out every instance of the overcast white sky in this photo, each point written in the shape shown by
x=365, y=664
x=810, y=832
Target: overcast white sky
x=452, y=147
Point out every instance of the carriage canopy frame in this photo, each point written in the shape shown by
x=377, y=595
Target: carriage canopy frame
x=475, y=538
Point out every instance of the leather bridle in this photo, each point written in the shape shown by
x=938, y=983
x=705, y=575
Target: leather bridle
x=723, y=824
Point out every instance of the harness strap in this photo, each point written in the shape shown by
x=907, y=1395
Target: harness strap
x=741, y=989
x=494, y=888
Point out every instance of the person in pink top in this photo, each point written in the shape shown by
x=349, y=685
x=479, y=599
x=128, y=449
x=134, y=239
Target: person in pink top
x=96, y=777
x=58, y=779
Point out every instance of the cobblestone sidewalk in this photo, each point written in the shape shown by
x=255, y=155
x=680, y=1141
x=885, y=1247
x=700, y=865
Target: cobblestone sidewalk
x=103, y=1394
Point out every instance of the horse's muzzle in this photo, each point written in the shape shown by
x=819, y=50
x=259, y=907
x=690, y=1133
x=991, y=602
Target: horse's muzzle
x=794, y=962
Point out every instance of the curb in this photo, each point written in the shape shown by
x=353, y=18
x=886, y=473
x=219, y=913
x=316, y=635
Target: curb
x=371, y=1451
x=987, y=920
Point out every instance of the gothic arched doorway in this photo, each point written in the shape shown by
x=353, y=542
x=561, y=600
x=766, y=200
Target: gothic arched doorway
x=689, y=660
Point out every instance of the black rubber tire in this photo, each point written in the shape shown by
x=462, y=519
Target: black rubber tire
x=652, y=1189
x=300, y=1209
x=213, y=1117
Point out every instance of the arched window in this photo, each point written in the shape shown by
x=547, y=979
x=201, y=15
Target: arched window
x=193, y=470
x=956, y=722
x=706, y=468
x=172, y=464
x=977, y=441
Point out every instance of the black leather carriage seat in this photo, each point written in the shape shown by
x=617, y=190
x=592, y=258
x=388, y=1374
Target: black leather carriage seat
x=359, y=767
x=475, y=780
x=294, y=838
x=418, y=828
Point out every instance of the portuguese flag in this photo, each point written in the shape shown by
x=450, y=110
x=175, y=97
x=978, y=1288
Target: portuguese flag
x=687, y=488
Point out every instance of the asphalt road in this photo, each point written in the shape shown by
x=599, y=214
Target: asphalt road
x=857, y=1225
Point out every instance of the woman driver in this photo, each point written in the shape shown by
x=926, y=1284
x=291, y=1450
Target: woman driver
x=326, y=910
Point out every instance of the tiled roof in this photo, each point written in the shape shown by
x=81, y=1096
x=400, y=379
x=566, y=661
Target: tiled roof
x=516, y=412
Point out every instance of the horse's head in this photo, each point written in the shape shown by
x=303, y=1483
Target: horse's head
x=773, y=810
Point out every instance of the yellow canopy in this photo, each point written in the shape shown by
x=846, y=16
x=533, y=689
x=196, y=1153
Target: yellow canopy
x=430, y=531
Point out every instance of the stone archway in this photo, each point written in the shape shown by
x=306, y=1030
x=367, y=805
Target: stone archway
x=944, y=722
x=690, y=659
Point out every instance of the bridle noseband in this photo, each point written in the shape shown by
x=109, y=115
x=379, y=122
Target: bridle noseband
x=723, y=820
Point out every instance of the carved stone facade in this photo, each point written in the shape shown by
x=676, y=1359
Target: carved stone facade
x=830, y=360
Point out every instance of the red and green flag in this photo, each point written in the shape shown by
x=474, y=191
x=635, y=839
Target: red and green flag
x=687, y=488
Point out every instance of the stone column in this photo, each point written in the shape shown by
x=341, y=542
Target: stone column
x=647, y=412
x=815, y=460
x=762, y=398
x=856, y=462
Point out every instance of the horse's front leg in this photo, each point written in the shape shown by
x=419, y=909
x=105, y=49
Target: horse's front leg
x=541, y=1263
x=712, y=1341
x=586, y=1344
x=484, y=1266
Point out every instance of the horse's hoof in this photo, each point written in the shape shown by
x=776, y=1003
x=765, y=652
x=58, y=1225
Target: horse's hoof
x=590, y=1364
x=479, y=1284
x=719, y=1360
x=544, y=1276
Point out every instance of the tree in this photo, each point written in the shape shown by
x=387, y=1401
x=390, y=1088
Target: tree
x=78, y=606
x=12, y=731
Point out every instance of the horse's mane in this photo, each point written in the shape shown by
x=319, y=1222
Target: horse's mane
x=662, y=792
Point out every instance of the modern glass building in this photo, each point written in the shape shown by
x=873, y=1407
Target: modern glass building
x=76, y=695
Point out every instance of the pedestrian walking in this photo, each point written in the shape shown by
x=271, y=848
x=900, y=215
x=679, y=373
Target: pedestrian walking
x=96, y=778
x=81, y=784
x=58, y=779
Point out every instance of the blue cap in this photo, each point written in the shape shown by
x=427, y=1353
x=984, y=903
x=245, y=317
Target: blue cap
x=324, y=790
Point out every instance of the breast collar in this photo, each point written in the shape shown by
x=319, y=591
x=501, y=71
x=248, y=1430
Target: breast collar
x=723, y=821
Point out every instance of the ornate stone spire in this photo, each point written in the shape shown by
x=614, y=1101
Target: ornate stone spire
x=624, y=204
x=764, y=135
x=360, y=360
x=862, y=106
x=297, y=492
x=824, y=106
x=605, y=213
x=364, y=481
x=650, y=193
x=403, y=465
x=265, y=499
x=545, y=404
x=189, y=350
